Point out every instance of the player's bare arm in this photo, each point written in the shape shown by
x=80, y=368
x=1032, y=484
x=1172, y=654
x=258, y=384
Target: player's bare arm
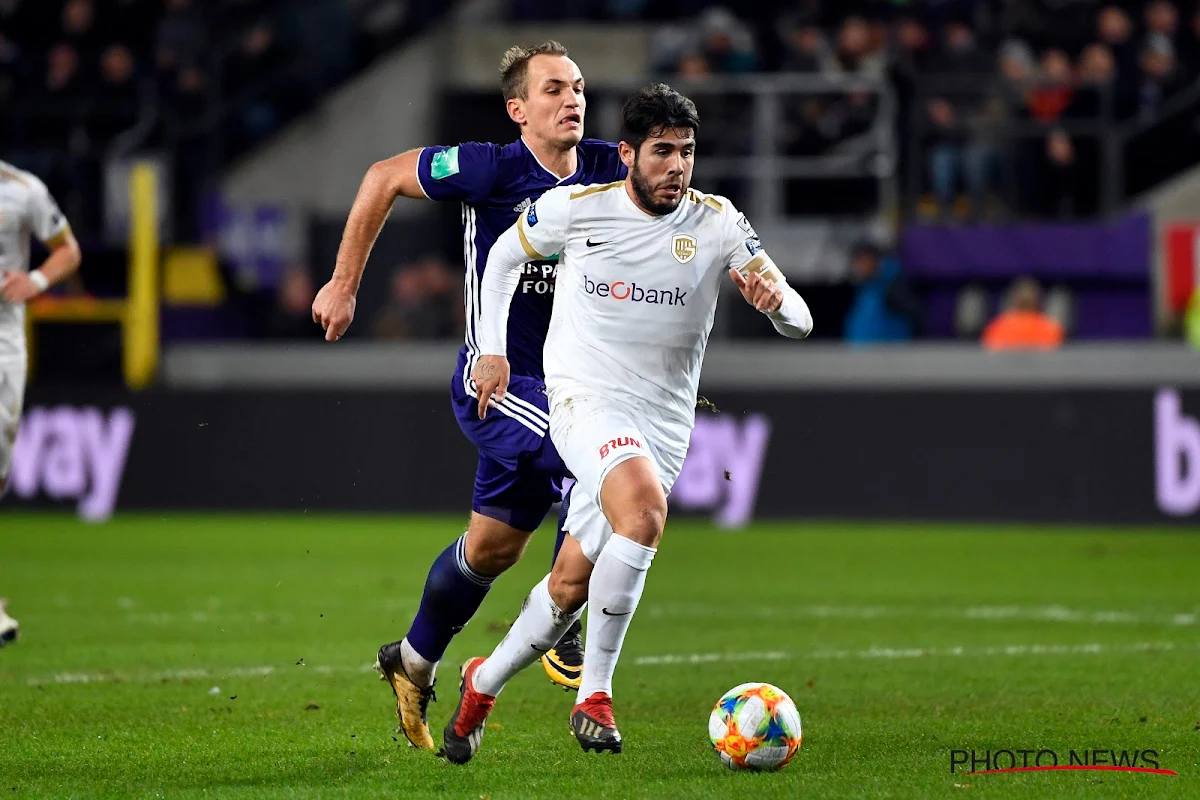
x=333, y=308
x=64, y=259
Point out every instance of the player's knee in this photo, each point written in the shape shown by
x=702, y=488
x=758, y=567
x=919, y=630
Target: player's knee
x=643, y=519
x=634, y=502
x=649, y=520
x=495, y=557
x=493, y=547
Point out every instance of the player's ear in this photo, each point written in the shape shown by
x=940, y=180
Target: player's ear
x=516, y=111
x=627, y=154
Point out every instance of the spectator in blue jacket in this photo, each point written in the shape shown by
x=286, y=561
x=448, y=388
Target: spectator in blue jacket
x=885, y=309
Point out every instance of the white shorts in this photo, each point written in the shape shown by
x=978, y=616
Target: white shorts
x=12, y=394
x=593, y=435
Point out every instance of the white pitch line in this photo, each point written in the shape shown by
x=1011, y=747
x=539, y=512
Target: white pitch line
x=1051, y=613
x=871, y=653
x=185, y=674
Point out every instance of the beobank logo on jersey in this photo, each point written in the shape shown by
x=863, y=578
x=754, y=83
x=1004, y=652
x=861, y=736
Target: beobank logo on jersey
x=629, y=290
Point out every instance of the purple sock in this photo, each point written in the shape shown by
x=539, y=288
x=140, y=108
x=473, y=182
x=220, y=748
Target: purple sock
x=453, y=593
x=562, y=523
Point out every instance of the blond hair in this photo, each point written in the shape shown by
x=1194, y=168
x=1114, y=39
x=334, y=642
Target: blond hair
x=514, y=67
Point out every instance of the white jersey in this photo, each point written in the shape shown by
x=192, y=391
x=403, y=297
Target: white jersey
x=636, y=294
x=26, y=208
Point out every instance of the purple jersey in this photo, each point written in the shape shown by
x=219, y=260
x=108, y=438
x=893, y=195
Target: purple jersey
x=496, y=183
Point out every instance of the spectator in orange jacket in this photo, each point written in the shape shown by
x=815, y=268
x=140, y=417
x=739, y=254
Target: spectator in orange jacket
x=1023, y=326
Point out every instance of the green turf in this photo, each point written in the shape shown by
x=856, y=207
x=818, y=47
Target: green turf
x=137, y=635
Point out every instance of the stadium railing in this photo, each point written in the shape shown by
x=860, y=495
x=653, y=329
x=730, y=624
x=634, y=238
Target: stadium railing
x=1127, y=160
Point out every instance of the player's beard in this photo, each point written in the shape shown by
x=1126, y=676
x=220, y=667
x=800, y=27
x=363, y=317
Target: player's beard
x=645, y=192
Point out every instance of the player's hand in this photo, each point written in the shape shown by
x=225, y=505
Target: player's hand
x=759, y=292
x=16, y=287
x=491, y=377
x=333, y=310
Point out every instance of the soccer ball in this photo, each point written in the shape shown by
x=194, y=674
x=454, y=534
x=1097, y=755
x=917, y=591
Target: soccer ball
x=755, y=726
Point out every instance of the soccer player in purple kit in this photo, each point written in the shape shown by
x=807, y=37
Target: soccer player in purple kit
x=519, y=475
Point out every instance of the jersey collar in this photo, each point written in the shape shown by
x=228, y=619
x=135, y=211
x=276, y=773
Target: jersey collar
x=573, y=175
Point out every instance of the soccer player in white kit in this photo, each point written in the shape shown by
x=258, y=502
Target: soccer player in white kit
x=640, y=266
x=26, y=207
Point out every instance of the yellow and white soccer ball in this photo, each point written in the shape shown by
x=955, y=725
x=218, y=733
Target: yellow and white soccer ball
x=755, y=726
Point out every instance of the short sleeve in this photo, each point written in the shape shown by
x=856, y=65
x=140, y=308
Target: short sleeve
x=742, y=245
x=45, y=219
x=464, y=172
x=542, y=227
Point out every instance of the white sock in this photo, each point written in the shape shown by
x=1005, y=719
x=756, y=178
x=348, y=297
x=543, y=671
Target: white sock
x=616, y=587
x=420, y=669
x=539, y=627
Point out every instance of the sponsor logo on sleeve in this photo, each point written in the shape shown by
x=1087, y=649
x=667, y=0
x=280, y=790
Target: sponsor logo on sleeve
x=745, y=225
x=444, y=164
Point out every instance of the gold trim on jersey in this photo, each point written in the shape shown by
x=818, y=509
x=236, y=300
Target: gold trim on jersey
x=529, y=251
x=595, y=189
x=757, y=264
x=764, y=266
x=8, y=173
x=58, y=239
x=707, y=200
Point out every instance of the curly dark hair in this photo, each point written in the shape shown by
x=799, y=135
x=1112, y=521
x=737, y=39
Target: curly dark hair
x=654, y=109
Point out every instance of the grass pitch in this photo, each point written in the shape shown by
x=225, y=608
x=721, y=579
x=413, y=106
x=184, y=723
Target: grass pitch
x=229, y=656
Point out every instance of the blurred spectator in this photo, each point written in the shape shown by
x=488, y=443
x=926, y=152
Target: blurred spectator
x=717, y=36
x=1023, y=326
x=1114, y=28
x=292, y=315
x=62, y=91
x=1162, y=17
x=857, y=52
x=1097, y=77
x=1062, y=181
x=424, y=303
x=960, y=53
x=79, y=26
x=805, y=50
x=885, y=308
x=114, y=105
x=912, y=50
x=957, y=159
x=182, y=35
x=62, y=71
x=693, y=67
x=726, y=42
x=259, y=67
x=1051, y=96
x=1160, y=78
